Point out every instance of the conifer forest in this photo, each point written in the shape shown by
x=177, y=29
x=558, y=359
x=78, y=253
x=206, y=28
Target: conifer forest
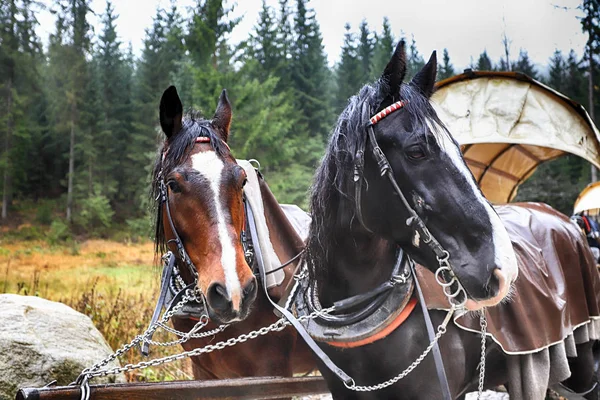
x=79, y=111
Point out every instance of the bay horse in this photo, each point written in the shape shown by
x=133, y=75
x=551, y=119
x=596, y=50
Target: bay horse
x=362, y=225
x=198, y=186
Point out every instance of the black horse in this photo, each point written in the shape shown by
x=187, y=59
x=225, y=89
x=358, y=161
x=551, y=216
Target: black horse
x=359, y=223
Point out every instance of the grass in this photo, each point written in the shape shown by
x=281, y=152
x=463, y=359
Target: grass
x=115, y=284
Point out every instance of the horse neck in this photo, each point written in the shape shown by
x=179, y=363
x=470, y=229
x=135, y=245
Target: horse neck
x=358, y=263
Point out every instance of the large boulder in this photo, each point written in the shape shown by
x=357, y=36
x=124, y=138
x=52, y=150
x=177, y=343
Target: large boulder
x=42, y=340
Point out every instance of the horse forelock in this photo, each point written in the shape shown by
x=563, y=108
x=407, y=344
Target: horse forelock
x=172, y=153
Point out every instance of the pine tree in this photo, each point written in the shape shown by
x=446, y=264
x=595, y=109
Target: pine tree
x=69, y=47
x=310, y=73
x=207, y=30
x=484, y=63
x=349, y=71
x=365, y=51
x=414, y=60
x=384, y=47
x=556, y=72
x=263, y=44
x=20, y=57
x=524, y=65
x=446, y=70
x=575, y=84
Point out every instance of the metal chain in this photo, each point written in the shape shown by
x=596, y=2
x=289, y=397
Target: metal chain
x=440, y=331
x=188, y=296
x=483, y=325
x=277, y=326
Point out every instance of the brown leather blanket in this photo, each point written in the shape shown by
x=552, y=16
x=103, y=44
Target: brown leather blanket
x=557, y=290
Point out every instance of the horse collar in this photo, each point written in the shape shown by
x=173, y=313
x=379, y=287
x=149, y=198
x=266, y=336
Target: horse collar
x=374, y=314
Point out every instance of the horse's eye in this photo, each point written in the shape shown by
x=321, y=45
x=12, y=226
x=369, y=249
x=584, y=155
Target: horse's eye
x=244, y=182
x=174, y=186
x=415, y=153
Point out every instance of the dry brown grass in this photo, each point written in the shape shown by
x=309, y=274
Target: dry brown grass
x=115, y=284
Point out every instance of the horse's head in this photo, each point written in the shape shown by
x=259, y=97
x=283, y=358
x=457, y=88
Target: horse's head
x=203, y=186
x=429, y=169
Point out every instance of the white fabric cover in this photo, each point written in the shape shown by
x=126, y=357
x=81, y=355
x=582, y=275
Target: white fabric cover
x=508, y=123
x=254, y=198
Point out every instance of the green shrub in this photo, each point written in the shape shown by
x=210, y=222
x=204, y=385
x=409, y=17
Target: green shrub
x=59, y=232
x=95, y=213
x=43, y=214
x=139, y=228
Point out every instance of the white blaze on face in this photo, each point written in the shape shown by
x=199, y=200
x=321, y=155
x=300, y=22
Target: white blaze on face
x=210, y=166
x=506, y=260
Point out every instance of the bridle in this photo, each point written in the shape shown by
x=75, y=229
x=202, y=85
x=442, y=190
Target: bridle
x=444, y=274
x=181, y=252
x=420, y=231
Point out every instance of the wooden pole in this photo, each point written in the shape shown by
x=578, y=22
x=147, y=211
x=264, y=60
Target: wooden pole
x=234, y=389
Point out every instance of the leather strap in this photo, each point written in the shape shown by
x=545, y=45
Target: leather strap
x=437, y=356
x=287, y=314
x=165, y=280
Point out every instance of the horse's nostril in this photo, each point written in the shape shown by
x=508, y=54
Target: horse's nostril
x=218, y=298
x=493, y=285
x=250, y=287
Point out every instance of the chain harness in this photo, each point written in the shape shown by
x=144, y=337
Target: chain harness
x=444, y=276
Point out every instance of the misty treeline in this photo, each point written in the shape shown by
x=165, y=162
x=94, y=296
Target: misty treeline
x=79, y=122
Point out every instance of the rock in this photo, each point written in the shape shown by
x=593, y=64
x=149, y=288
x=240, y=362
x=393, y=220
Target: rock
x=42, y=340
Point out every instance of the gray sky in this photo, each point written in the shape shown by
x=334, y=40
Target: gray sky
x=464, y=27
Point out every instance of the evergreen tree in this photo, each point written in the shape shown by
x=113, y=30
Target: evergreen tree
x=556, y=72
x=590, y=24
x=20, y=58
x=575, y=84
x=414, y=62
x=263, y=43
x=310, y=73
x=69, y=47
x=349, y=70
x=384, y=47
x=484, y=63
x=524, y=65
x=446, y=70
x=207, y=32
x=365, y=51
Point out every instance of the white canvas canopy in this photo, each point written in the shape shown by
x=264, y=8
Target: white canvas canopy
x=588, y=200
x=507, y=124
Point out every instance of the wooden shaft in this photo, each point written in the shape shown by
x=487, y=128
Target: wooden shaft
x=246, y=388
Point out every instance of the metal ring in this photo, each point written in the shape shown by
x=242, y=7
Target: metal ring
x=453, y=295
x=444, y=284
x=253, y=161
x=438, y=273
x=444, y=258
x=350, y=384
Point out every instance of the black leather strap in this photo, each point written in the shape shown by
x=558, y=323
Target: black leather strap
x=288, y=315
x=165, y=281
x=437, y=356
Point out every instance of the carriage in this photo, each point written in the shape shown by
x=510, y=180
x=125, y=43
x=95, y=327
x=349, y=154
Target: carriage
x=350, y=223
x=507, y=124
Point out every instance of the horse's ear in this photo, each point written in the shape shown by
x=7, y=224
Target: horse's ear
x=395, y=70
x=171, y=111
x=424, y=80
x=222, y=117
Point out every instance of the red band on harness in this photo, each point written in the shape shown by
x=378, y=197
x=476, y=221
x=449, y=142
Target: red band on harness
x=206, y=139
x=387, y=111
x=404, y=314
